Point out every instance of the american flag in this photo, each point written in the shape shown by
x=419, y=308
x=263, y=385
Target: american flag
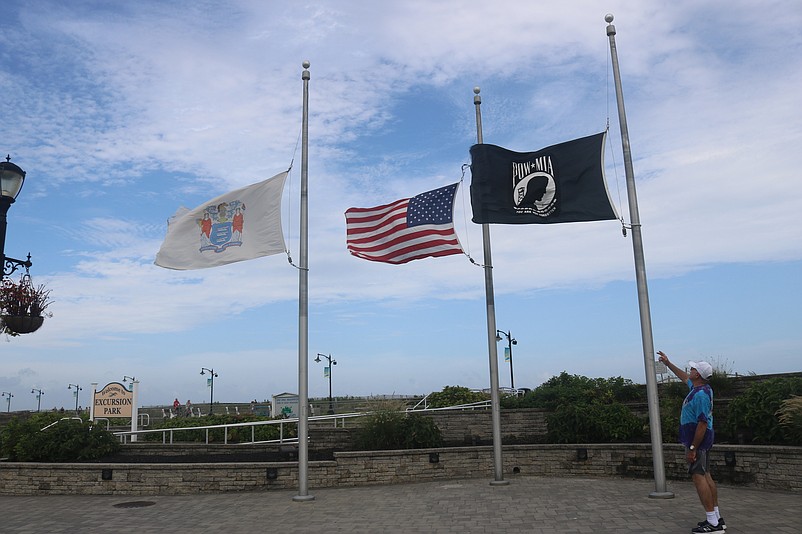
x=405, y=230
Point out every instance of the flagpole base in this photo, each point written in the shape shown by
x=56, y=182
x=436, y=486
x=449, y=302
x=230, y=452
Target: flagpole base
x=499, y=482
x=303, y=498
x=661, y=495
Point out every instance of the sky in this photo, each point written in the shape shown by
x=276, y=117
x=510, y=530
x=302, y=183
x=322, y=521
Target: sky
x=121, y=112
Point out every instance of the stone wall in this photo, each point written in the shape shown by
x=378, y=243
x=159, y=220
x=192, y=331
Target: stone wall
x=526, y=425
x=778, y=468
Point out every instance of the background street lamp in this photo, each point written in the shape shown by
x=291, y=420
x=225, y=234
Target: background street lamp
x=510, y=342
x=77, y=389
x=39, y=394
x=331, y=363
x=11, y=180
x=211, y=383
x=9, y=395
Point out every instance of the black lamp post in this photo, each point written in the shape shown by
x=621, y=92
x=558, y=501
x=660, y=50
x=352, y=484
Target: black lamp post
x=211, y=382
x=11, y=180
x=9, y=395
x=510, y=342
x=39, y=394
x=332, y=362
x=77, y=389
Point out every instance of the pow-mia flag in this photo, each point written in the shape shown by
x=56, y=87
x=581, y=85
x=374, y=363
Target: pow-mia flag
x=558, y=184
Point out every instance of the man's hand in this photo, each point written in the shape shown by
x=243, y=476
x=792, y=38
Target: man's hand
x=663, y=358
x=691, y=456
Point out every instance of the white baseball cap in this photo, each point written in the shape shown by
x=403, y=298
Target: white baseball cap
x=704, y=369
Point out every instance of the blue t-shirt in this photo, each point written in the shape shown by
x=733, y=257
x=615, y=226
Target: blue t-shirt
x=697, y=406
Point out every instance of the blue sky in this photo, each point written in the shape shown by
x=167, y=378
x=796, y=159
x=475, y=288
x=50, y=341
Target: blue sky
x=122, y=112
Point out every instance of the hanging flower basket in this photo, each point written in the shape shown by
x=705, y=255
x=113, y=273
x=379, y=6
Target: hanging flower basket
x=22, y=306
x=22, y=324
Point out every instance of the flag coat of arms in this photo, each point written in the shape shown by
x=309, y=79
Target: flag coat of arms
x=558, y=184
x=405, y=230
x=237, y=226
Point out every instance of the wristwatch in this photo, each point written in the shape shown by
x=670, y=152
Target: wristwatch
x=692, y=447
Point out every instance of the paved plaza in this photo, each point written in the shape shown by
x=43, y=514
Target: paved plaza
x=528, y=504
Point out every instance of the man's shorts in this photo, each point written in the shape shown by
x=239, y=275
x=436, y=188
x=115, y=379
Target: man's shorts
x=702, y=463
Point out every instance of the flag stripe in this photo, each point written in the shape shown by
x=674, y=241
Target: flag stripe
x=414, y=252
x=384, y=233
x=405, y=238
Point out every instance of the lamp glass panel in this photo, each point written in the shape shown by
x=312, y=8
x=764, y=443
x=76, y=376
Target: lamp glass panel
x=10, y=183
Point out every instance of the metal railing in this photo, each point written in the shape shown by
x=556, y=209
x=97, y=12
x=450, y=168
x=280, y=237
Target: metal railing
x=336, y=419
x=54, y=423
x=480, y=405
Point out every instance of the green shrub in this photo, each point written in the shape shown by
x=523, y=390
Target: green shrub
x=67, y=441
x=790, y=417
x=721, y=384
x=571, y=389
x=235, y=434
x=454, y=396
x=753, y=415
x=594, y=423
x=510, y=402
x=391, y=430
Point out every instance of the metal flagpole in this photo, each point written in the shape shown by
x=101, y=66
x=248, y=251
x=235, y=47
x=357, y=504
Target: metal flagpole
x=134, y=409
x=492, y=349
x=303, y=307
x=640, y=276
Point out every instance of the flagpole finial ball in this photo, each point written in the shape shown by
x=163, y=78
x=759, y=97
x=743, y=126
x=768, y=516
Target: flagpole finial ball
x=608, y=18
x=476, y=90
x=306, y=64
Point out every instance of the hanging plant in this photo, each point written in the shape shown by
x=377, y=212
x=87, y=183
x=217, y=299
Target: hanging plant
x=22, y=306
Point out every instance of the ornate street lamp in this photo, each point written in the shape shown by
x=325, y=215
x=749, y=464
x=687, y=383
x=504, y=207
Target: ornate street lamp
x=510, y=342
x=39, y=394
x=332, y=362
x=9, y=395
x=211, y=383
x=11, y=180
x=77, y=389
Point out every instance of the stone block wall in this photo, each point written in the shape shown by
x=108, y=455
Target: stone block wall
x=527, y=425
x=778, y=468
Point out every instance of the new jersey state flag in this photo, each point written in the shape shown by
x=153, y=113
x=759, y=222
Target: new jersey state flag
x=237, y=226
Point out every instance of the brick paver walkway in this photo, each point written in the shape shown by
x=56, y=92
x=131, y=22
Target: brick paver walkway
x=528, y=504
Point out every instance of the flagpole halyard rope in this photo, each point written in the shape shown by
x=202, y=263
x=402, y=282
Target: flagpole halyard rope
x=289, y=196
x=465, y=217
x=624, y=225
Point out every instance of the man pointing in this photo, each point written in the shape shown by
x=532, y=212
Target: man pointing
x=696, y=433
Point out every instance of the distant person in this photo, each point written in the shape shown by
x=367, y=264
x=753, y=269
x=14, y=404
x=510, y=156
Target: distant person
x=696, y=433
x=176, y=405
x=189, y=408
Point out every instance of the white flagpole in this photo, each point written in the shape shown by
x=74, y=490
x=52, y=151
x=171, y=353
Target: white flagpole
x=640, y=276
x=134, y=409
x=303, y=307
x=492, y=348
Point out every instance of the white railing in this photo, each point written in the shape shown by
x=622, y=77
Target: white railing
x=60, y=420
x=480, y=405
x=108, y=422
x=336, y=419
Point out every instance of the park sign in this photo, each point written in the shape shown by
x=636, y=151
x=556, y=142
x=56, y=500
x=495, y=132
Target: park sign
x=114, y=400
